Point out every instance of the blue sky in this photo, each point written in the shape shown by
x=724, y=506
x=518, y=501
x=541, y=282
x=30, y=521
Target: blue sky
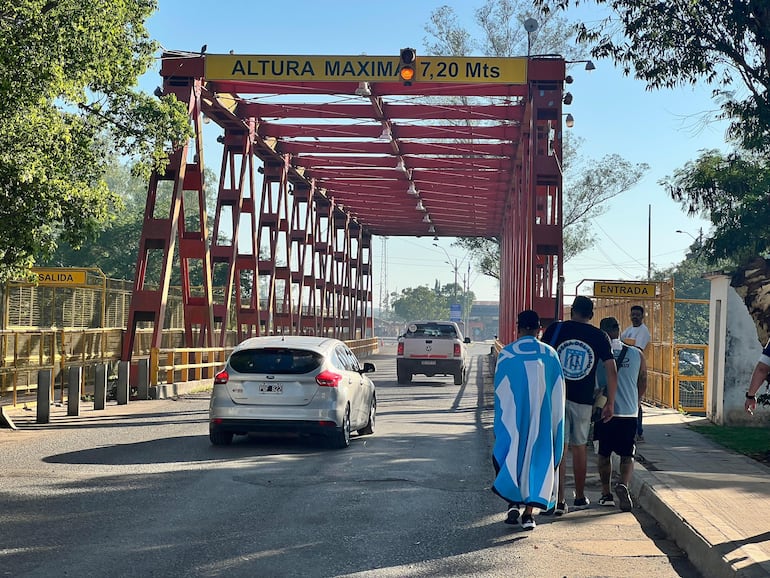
x=613, y=114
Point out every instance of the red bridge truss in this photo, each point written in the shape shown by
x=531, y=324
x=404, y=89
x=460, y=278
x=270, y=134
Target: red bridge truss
x=320, y=154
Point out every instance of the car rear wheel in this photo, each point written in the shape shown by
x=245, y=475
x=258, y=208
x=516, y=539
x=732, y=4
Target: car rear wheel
x=459, y=377
x=341, y=437
x=403, y=376
x=221, y=438
x=368, y=429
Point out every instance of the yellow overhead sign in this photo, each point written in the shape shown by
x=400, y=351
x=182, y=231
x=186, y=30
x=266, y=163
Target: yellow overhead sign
x=364, y=68
x=640, y=290
x=60, y=276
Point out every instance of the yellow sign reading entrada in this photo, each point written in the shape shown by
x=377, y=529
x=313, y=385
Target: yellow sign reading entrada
x=602, y=289
x=64, y=276
x=364, y=68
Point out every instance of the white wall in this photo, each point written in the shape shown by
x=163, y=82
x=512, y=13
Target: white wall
x=733, y=352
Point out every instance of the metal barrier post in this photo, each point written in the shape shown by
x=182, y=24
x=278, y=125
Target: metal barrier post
x=122, y=394
x=44, y=395
x=74, y=377
x=143, y=379
x=100, y=385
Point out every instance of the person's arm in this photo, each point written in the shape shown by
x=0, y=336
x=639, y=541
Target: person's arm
x=612, y=387
x=758, y=376
x=641, y=380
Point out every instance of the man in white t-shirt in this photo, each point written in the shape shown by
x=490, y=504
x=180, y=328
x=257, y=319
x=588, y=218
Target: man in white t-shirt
x=637, y=335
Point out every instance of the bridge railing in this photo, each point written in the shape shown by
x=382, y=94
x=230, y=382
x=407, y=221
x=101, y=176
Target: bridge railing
x=24, y=353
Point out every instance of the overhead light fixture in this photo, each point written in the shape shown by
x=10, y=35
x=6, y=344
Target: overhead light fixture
x=385, y=134
x=158, y=91
x=420, y=206
x=364, y=89
x=426, y=218
x=567, y=98
x=589, y=64
x=401, y=166
x=412, y=190
x=569, y=121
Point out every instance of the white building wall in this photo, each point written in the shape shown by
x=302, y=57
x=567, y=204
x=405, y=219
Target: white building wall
x=733, y=351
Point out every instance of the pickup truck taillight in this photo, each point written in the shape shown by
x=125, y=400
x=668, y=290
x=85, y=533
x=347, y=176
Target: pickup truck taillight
x=400, y=350
x=458, y=350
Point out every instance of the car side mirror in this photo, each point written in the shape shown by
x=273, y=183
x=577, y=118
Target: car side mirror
x=467, y=340
x=368, y=367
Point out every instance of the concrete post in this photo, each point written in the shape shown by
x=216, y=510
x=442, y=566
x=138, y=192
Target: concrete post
x=122, y=394
x=143, y=379
x=100, y=385
x=74, y=377
x=44, y=395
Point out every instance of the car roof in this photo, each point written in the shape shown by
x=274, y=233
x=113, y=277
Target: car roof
x=320, y=344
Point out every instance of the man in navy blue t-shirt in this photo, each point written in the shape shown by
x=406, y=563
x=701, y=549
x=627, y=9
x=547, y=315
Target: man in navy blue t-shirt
x=580, y=347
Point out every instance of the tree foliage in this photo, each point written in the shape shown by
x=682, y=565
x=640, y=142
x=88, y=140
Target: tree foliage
x=66, y=107
x=588, y=183
x=691, y=320
x=425, y=303
x=731, y=190
x=666, y=44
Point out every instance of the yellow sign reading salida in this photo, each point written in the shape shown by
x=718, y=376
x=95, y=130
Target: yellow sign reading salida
x=641, y=290
x=60, y=276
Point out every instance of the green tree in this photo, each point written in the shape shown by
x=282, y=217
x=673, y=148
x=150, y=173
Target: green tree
x=732, y=192
x=66, y=108
x=588, y=183
x=677, y=42
x=691, y=320
x=425, y=303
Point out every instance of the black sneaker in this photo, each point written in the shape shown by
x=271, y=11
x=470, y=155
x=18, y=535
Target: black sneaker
x=512, y=517
x=624, y=497
x=607, y=500
x=560, y=509
x=581, y=502
x=528, y=522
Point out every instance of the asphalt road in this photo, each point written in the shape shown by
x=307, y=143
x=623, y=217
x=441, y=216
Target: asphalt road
x=138, y=490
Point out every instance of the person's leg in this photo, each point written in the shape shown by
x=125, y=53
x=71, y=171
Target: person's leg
x=581, y=427
x=562, y=476
x=605, y=472
x=579, y=467
x=626, y=469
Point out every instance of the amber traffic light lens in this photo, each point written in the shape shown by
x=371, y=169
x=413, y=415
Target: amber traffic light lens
x=406, y=73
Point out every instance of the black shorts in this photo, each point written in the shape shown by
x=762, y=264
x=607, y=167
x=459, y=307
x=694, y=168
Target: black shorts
x=617, y=435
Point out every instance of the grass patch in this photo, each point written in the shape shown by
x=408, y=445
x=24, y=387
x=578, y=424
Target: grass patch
x=750, y=441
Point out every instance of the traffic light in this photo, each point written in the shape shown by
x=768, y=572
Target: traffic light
x=407, y=65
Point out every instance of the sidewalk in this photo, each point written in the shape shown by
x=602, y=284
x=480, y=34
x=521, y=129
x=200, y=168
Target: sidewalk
x=713, y=502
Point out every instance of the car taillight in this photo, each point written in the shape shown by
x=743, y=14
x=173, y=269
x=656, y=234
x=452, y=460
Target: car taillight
x=458, y=352
x=400, y=348
x=328, y=379
x=221, y=377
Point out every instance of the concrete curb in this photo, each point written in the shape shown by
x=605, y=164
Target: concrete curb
x=709, y=559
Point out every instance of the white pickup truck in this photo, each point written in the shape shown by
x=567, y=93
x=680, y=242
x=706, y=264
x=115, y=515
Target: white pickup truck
x=432, y=348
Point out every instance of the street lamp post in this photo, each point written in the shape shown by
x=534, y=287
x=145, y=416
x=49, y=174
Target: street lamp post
x=454, y=267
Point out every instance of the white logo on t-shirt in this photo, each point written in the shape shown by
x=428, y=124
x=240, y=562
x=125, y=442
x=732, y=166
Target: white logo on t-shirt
x=577, y=359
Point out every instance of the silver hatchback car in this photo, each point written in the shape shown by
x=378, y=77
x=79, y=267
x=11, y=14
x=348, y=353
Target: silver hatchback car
x=294, y=384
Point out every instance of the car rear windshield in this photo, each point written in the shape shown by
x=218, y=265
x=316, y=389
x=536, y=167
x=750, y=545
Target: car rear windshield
x=275, y=360
x=432, y=330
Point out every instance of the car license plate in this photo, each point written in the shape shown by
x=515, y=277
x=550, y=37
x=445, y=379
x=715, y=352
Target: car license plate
x=271, y=388
x=429, y=362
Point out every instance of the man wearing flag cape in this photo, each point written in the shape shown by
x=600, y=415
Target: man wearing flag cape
x=529, y=423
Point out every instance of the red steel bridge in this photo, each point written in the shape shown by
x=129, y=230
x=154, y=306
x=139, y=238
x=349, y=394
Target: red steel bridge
x=322, y=153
